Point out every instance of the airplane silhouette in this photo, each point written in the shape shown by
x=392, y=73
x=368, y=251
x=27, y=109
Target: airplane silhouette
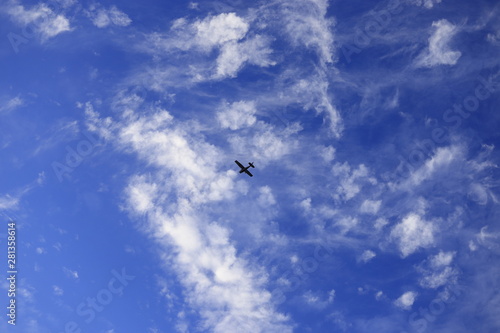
x=245, y=169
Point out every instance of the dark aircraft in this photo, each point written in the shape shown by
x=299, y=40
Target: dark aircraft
x=245, y=169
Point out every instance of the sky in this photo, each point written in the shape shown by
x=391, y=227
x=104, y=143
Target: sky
x=372, y=125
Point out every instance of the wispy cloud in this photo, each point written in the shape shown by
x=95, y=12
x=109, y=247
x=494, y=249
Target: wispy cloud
x=351, y=182
x=319, y=300
x=228, y=294
x=58, y=291
x=11, y=104
x=8, y=202
x=426, y=3
x=307, y=25
x=44, y=21
x=366, y=256
x=437, y=270
x=102, y=17
x=237, y=115
x=439, y=162
x=223, y=45
x=439, y=51
x=217, y=31
x=70, y=273
x=227, y=33
x=370, y=206
x=61, y=131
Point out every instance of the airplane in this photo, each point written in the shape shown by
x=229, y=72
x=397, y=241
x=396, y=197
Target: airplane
x=245, y=169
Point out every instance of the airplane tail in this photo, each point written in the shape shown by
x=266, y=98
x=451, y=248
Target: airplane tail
x=251, y=164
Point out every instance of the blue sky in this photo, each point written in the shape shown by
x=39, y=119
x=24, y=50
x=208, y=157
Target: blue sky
x=373, y=126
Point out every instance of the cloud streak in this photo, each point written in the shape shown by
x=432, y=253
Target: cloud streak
x=226, y=292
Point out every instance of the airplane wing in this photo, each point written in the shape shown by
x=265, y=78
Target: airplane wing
x=239, y=164
x=248, y=173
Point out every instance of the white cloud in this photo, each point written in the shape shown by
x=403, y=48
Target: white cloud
x=439, y=278
x=229, y=294
x=392, y=102
x=472, y=246
x=346, y=224
x=380, y=223
x=102, y=17
x=307, y=28
x=438, y=163
x=318, y=300
x=70, y=273
x=406, y=300
x=193, y=5
x=220, y=29
x=442, y=259
x=11, y=202
x=478, y=193
x=312, y=91
x=331, y=296
x=218, y=283
x=41, y=18
x=66, y=3
x=439, y=52
x=426, y=3
x=141, y=196
x=370, y=206
x=489, y=240
x=328, y=153
x=60, y=131
x=340, y=321
x=8, y=202
x=493, y=38
x=264, y=144
x=11, y=104
x=222, y=45
x=307, y=25
x=27, y=292
x=366, y=256
x=351, y=180
x=202, y=35
x=413, y=233
x=237, y=115
x=430, y=3
x=233, y=56
x=266, y=197
x=58, y=291
x=226, y=32
x=436, y=270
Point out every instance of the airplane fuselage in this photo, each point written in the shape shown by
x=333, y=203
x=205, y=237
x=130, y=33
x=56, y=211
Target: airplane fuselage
x=244, y=169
